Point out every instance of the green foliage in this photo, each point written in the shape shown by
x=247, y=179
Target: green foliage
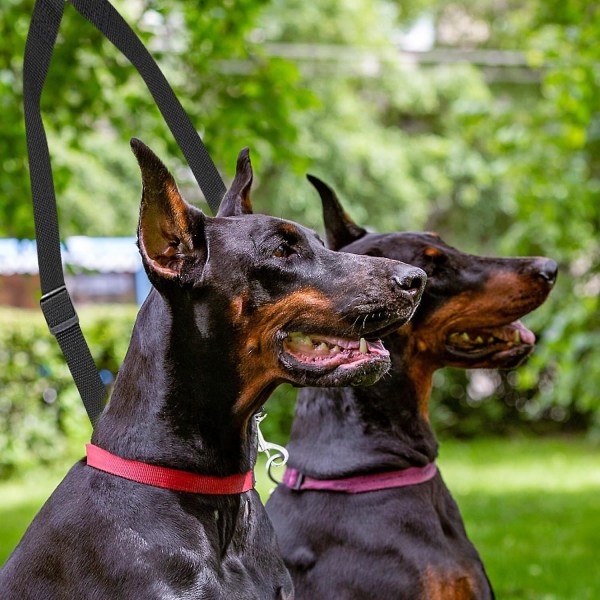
x=42, y=419
x=41, y=414
x=496, y=165
x=553, y=171
x=280, y=412
x=495, y=168
x=94, y=102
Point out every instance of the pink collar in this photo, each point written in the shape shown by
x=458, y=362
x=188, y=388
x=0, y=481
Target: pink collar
x=361, y=483
x=163, y=477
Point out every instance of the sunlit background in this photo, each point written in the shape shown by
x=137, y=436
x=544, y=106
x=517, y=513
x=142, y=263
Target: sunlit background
x=479, y=120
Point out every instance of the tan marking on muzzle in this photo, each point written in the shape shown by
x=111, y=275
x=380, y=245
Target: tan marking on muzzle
x=505, y=297
x=260, y=369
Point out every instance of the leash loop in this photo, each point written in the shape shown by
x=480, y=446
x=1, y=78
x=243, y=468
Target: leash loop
x=56, y=303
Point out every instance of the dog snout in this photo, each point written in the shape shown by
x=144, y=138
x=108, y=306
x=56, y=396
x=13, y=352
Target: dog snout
x=547, y=269
x=410, y=281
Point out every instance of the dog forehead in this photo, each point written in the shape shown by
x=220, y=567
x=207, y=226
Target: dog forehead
x=258, y=228
x=402, y=245
x=423, y=240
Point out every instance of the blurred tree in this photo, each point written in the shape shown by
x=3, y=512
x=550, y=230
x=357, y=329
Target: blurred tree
x=94, y=101
x=554, y=166
x=499, y=159
x=497, y=148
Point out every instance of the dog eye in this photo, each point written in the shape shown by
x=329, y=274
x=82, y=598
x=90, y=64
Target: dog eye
x=283, y=251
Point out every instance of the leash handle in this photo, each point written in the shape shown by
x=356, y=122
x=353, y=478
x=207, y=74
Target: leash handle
x=55, y=302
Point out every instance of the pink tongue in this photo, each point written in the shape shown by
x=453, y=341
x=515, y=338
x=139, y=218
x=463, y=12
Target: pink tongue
x=527, y=336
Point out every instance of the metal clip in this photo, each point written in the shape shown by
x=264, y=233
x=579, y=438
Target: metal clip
x=280, y=456
x=298, y=483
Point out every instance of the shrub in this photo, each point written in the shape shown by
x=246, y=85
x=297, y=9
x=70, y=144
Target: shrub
x=42, y=417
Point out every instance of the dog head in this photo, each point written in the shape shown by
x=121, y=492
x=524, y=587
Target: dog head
x=266, y=292
x=470, y=311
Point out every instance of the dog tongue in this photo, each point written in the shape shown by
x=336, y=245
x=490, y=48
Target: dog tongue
x=527, y=336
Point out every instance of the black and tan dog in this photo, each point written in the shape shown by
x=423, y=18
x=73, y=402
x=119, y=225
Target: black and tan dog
x=241, y=302
x=405, y=542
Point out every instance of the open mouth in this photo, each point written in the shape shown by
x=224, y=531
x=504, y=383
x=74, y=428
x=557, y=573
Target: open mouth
x=321, y=350
x=331, y=360
x=508, y=341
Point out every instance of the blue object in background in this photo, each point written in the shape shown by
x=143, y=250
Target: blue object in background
x=96, y=267
x=142, y=286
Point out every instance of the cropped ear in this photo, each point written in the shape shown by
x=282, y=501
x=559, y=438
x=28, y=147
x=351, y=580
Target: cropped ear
x=164, y=232
x=237, y=199
x=340, y=229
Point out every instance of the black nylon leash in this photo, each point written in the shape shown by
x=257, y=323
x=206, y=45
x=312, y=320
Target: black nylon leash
x=56, y=304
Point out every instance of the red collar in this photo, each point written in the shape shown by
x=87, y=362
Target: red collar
x=163, y=477
x=361, y=483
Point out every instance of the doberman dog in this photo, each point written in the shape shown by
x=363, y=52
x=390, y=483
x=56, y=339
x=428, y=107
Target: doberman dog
x=240, y=302
x=404, y=542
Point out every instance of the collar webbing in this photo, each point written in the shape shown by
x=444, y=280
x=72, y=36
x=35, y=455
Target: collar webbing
x=165, y=477
x=358, y=484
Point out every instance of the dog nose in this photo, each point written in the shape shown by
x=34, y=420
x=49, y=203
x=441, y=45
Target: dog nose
x=412, y=281
x=547, y=269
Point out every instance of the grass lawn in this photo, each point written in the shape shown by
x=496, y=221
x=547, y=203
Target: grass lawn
x=532, y=508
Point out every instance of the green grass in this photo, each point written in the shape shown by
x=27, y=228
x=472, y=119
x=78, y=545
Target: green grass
x=532, y=508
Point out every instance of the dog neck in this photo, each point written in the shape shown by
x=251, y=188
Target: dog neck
x=338, y=432
x=172, y=401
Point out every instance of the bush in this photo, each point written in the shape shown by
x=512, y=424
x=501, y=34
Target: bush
x=42, y=418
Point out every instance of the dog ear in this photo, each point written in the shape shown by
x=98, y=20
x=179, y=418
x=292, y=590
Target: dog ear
x=164, y=230
x=340, y=229
x=237, y=199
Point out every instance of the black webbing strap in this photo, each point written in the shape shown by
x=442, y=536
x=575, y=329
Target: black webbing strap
x=55, y=302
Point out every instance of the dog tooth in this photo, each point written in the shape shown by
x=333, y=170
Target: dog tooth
x=336, y=349
x=454, y=336
x=517, y=336
x=465, y=337
x=322, y=348
x=490, y=340
x=479, y=340
x=298, y=337
x=363, y=347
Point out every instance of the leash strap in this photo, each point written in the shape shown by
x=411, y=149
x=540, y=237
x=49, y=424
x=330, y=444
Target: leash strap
x=359, y=484
x=55, y=302
x=164, y=477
